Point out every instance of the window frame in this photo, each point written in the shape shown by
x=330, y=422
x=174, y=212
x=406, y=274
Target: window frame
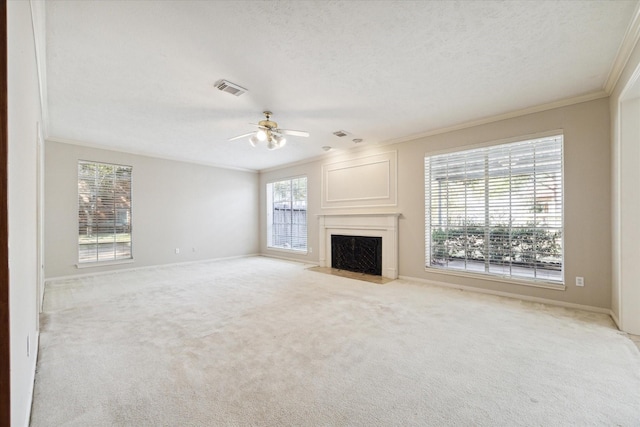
x=497, y=277
x=269, y=216
x=97, y=262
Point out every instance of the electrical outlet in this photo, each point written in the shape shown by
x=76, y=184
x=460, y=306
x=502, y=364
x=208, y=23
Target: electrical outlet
x=310, y=250
x=579, y=281
x=177, y=250
x=193, y=249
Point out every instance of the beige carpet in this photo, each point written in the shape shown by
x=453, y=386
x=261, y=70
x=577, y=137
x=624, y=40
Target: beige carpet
x=263, y=342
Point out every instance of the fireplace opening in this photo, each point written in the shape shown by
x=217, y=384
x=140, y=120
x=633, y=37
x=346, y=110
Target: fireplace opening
x=361, y=254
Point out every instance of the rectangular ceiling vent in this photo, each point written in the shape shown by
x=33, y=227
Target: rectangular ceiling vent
x=340, y=133
x=232, y=88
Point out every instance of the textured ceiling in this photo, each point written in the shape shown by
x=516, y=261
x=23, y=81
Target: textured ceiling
x=138, y=76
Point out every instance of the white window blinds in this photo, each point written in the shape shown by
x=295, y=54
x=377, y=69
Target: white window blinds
x=497, y=210
x=287, y=214
x=104, y=212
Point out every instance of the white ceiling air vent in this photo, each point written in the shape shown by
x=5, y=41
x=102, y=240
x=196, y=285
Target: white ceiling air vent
x=232, y=88
x=340, y=133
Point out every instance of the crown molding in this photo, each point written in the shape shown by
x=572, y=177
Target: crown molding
x=337, y=153
x=296, y=163
x=465, y=125
x=145, y=154
x=491, y=119
x=629, y=42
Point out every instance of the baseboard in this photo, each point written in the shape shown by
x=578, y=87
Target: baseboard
x=33, y=379
x=101, y=273
x=41, y=296
x=615, y=319
x=300, y=261
x=415, y=279
x=510, y=295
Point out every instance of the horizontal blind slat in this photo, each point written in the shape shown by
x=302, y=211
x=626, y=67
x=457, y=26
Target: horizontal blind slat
x=104, y=212
x=524, y=203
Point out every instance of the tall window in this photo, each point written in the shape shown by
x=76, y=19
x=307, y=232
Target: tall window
x=497, y=210
x=287, y=214
x=104, y=212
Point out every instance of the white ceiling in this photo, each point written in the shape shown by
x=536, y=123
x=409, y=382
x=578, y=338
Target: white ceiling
x=138, y=76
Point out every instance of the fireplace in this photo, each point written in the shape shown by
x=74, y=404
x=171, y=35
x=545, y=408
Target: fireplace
x=361, y=254
x=383, y=226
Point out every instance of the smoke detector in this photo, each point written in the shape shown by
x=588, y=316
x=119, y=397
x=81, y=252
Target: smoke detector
x=229, y=87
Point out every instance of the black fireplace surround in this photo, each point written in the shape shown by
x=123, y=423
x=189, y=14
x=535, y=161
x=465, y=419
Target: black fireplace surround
x=361, y=254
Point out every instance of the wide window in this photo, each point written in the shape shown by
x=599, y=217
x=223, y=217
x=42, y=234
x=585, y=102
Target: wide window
x=497, y=210
x=104, y=212
x=287, y=214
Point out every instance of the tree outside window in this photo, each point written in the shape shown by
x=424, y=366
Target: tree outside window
x=104, y=212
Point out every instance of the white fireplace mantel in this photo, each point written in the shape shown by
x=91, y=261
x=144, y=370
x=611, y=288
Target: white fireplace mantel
x=383, y=225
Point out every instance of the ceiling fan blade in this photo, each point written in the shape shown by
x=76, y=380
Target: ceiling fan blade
x=261, y=127
x=241, y=136
x=293, y=132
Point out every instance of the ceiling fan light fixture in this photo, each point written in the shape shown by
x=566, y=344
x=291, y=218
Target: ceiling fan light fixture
x=253, y=140
x=280, y=141
x=269, y=132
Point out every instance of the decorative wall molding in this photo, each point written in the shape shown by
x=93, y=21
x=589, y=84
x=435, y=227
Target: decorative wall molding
x=369, y=181
x=335, y=179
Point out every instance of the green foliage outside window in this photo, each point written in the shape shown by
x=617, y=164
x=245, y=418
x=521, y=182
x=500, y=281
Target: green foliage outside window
x=525, y=246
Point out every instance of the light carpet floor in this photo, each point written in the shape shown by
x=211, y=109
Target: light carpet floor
x=262, y=342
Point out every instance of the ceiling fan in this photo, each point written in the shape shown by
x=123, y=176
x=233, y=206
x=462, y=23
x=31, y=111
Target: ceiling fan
x=268, y=131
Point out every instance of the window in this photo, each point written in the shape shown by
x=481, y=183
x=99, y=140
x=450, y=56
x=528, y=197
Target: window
x=104, y=212
x=497, y=210
x=287, y=214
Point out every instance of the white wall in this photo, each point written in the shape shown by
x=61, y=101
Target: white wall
x=625, y=119
x=24, y=115
x=204, y=211
x=587, y=194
